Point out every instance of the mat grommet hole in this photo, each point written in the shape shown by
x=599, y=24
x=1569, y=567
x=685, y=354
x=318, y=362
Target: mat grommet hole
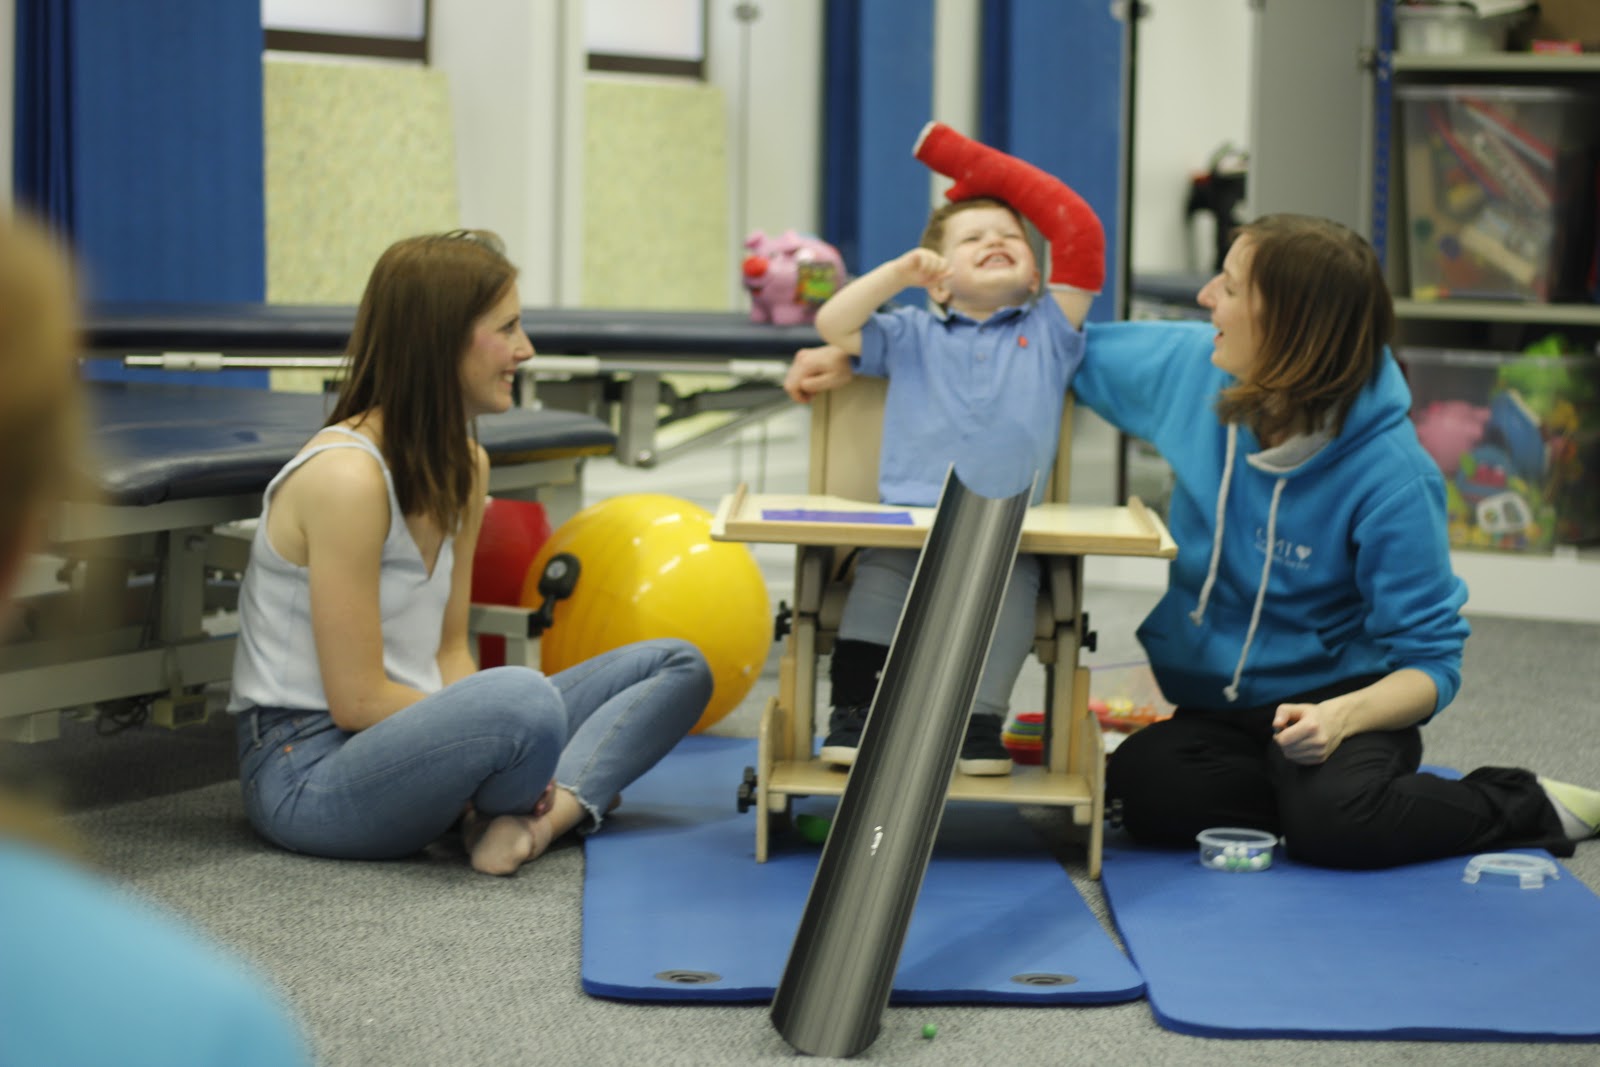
x=688, y=977
x=1040, y=978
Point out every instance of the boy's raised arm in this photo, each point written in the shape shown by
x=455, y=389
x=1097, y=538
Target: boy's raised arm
x=839, y=321
x=1077, y=239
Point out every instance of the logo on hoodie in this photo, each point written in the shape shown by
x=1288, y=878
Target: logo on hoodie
x=1285, y=553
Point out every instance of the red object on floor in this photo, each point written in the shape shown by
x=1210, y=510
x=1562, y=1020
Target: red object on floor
x=513, y=532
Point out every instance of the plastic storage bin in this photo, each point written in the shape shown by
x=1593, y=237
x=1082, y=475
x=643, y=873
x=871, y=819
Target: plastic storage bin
x=1451, y=29
x=1518, y=440
x=1499, y=185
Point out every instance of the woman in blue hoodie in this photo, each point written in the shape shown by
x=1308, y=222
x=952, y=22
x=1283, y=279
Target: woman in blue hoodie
x=1312, y=621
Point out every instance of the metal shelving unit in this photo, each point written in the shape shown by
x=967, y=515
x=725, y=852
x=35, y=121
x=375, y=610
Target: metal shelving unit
x=1564, y=585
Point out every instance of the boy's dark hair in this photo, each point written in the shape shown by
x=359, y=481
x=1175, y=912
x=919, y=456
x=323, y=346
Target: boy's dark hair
x=933, y=232
x=412, y=329
x=1324, y=315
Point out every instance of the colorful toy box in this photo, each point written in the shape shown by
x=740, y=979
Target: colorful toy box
x=1123, y=696
x=1518, y=439
x=1499, y=184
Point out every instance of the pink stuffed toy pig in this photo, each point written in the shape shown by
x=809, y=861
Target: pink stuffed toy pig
x=789, y=276
x=1449, y=429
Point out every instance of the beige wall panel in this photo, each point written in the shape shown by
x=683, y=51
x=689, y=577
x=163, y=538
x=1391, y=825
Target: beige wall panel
x=357, y=156
x=656, y=196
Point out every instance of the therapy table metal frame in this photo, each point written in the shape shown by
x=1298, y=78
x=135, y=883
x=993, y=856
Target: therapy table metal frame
x=148, y=555
x=614, y=364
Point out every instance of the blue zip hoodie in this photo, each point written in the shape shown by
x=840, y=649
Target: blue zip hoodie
x=1357, y=579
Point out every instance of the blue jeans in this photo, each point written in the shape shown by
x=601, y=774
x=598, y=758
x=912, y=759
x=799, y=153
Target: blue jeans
x=494, y=740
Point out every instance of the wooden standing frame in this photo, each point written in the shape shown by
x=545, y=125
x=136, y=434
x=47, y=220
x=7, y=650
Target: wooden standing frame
x=839, y=515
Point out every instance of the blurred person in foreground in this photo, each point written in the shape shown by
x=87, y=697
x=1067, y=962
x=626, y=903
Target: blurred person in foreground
x=89, y=973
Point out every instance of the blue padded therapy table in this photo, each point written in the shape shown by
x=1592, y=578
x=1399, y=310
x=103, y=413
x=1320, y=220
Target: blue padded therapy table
x=152, y=548
x=629, y=364
x=148, y=558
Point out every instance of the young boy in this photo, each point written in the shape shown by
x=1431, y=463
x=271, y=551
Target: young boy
x=994, y=358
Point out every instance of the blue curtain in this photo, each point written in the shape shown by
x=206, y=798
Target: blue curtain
x=139, y=137
x=878, y=96
x=41, y=160
x=1053, y=79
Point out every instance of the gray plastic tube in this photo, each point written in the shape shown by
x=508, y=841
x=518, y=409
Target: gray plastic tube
x=841, y=968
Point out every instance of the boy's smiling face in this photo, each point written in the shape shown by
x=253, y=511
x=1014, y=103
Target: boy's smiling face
x=991, y=263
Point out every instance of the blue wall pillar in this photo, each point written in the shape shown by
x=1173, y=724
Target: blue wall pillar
x=878, y=96
x=1054, y=93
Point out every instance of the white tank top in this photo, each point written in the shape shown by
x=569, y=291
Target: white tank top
x=275, y=662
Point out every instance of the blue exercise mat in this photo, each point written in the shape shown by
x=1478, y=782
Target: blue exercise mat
x=1412, y=953
x=675, y=907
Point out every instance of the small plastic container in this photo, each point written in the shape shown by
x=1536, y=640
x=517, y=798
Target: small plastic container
x=1451, y=29
x=1499, y=191
x=1234, y=849
x=1529, y=871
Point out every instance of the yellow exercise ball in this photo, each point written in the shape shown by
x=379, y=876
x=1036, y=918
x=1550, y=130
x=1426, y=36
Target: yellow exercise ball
x=648, y=568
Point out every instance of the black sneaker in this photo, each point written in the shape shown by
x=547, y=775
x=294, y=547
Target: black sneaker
x=982, y=753
x=844, y=735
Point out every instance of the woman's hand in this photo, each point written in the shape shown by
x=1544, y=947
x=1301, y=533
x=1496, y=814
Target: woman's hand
x=816, y=370
x=1309, y=733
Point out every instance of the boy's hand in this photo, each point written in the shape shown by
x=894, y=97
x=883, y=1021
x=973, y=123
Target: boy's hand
x=840, y=320
x=923, y=267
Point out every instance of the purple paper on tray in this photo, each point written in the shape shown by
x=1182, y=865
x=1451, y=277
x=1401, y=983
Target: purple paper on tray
x=880, y=518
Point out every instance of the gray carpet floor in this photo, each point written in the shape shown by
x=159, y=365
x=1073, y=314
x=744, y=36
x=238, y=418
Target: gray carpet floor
x=424, y=962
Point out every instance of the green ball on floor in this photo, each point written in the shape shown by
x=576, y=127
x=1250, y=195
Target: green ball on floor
x=813, y=828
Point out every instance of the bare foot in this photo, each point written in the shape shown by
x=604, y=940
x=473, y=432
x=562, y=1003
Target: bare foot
x=501, y=845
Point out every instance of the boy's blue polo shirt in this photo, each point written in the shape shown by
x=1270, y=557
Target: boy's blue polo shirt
x=963, y=389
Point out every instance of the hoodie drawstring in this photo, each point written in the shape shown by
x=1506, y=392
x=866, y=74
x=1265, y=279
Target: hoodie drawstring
x=1231, y=691
x=1199, y=613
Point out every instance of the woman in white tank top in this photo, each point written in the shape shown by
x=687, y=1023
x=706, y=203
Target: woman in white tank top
x=366, y=729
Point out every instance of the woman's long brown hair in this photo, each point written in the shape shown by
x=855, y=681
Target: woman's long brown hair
x=1324, y=317
x=414, y=325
